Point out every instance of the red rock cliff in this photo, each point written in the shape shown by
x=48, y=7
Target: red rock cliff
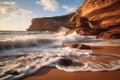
x=49, y=23
x=98, y=17
x=94, y=17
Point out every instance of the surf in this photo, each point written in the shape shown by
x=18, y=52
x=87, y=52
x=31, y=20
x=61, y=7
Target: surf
x=24, y=53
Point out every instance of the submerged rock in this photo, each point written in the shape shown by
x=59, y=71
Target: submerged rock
x=78, y=46
x=12, y=72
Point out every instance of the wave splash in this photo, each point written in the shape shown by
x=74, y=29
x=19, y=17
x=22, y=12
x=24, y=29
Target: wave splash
x=17, y=66
x=22, y=55
x=33, y=40
x=24, y=41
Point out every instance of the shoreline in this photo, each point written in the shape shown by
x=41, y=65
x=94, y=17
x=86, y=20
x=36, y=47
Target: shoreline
x=55, y=74
x=48, y=73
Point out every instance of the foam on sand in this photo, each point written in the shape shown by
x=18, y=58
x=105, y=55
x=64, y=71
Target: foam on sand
x=17, y=66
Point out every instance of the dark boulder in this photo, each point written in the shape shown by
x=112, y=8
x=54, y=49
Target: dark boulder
x=65, y=62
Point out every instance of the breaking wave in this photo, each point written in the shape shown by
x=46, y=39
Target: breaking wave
x=25, y=53
x=17, y=66
x=34, y=39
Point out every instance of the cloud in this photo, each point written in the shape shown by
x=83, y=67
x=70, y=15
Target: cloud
x=12, y=17
x=68, y=9
x=48, y=5
x=7, y=7
x=11, y=9
x=22, y=13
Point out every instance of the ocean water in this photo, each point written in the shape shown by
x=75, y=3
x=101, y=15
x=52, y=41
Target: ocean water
x=23, y=53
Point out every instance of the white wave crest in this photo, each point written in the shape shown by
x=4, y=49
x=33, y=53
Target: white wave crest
x=83, y=60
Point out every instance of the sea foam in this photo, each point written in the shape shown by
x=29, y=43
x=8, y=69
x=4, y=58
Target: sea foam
x=83, y=60
x=22, y=55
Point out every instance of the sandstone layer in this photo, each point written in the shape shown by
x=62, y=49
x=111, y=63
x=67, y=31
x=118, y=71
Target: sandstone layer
x=94, y=17
x=49, y=23
x=98, y=17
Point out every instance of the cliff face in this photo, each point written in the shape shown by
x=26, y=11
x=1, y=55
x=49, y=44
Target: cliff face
x=94, y=17
x=49, y=23
x=98, y=17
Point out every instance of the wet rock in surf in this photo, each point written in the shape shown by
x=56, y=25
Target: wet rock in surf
x=65, y=62
x=12, y=72
x=92, y=62
x=78, y=46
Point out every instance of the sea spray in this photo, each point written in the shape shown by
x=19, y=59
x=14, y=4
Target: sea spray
x=47, y=50
x=83, y=60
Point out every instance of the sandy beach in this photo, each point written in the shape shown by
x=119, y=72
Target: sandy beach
x=59, y=39
x=47, y=73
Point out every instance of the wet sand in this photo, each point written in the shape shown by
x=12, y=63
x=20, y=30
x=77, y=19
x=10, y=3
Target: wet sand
x=47, y=73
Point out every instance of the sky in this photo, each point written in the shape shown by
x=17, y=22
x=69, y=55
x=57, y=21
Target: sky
x=17, y=14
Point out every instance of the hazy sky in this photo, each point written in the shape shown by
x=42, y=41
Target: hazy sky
x=17, y=14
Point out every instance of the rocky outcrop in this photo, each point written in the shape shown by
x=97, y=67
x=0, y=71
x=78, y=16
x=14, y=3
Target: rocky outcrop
x=94, y=17
x=113, y=33
x=98, y=17
x=49, y=23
